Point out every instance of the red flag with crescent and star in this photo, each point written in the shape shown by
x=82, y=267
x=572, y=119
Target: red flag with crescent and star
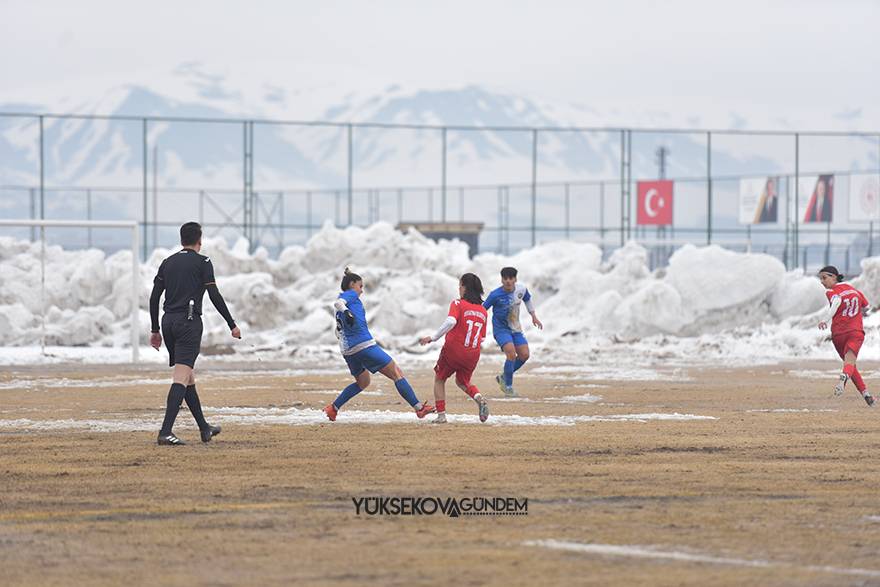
x=655, y=203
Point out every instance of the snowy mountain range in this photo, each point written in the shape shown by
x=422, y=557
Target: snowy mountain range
x=105, y=152
x=209, y=156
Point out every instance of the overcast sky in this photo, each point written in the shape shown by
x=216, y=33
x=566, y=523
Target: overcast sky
x=816, y=63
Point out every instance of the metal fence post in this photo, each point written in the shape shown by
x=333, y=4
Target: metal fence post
x=42, y=174
x=33, y=213
x=622, y=187
x=534, y=185
x=786, y=255
x=144, y=185
x=797, y=187
x=254, y=219
x=350, y=174
x=626, y=189
x=155, y=195
x=500, y=222
x=443, y=175
x=709, y=188
x=244, y=203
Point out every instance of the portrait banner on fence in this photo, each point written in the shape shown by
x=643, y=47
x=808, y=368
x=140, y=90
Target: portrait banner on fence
x=759, y=200
x=864, y=197
x=816, y=198
x=655, y=203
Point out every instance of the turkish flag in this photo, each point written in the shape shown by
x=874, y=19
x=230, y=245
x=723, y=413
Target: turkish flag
x=655, y=203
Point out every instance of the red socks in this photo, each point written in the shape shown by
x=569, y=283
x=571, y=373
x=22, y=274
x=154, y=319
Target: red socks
x=441, y=405
x=857, y=379
x=472, y=391
x=848, y=370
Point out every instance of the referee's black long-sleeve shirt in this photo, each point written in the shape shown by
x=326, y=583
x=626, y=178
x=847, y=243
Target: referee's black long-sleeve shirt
x=185, y=276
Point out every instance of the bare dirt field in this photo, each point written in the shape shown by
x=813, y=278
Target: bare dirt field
x=775, y=485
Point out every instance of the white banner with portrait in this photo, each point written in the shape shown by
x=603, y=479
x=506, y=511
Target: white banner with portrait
x=759, y=200
x=816, y=198
x=864, y=197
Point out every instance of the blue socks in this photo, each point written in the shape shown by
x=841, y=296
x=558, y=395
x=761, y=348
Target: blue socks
x=403, y=388
x=406, y=392
x=509, y=368
x=347, y=393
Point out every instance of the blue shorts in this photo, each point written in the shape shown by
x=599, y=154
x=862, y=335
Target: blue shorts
x=502, y=337
x=372, y=358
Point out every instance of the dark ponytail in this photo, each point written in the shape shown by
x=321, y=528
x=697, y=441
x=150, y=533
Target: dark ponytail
x=348, y=278
x=832, y=270
x=473, y=288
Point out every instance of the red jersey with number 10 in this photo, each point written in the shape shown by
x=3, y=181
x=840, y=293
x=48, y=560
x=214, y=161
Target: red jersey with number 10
x=464, y=340
x=848, y=317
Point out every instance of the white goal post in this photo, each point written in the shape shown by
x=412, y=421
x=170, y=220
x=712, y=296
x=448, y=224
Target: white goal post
x=135, y=266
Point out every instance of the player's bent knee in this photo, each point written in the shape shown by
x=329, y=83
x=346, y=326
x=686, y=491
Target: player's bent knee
x=393, y=371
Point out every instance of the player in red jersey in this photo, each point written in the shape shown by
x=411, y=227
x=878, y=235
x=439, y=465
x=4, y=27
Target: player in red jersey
x=465, y=328
x=846, y=307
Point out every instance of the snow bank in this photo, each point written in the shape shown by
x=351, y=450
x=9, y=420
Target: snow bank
x=705, y=296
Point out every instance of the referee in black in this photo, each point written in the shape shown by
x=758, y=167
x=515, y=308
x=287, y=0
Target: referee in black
x=184, y=277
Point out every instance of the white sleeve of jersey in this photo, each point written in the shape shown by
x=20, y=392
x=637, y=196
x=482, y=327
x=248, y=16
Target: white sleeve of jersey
x=339, y=305
x=447, y=325
x=530, y=306
x=831, y=310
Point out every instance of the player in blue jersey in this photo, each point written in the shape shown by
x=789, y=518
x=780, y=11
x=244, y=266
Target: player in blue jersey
x=362, y=353
x=505, y=302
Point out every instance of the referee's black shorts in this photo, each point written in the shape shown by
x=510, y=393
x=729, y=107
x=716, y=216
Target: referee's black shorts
x=183, y=338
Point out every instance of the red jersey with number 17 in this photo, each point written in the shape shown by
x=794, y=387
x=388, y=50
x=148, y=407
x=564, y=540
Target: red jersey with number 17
x=464, y=340
x=848, y=317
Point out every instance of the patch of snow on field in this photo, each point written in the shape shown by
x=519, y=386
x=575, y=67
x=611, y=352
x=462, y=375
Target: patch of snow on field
x=312, y=417
x=686, y=556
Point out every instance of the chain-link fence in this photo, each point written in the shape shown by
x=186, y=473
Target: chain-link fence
x=277, y=182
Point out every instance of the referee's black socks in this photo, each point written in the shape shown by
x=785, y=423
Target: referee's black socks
x=195, y=406
x=175, y=397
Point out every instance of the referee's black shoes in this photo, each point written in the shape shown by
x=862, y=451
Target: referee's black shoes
x=169, y=440
x=209, y=433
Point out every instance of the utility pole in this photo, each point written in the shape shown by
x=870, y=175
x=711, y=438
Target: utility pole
x=662, y=153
